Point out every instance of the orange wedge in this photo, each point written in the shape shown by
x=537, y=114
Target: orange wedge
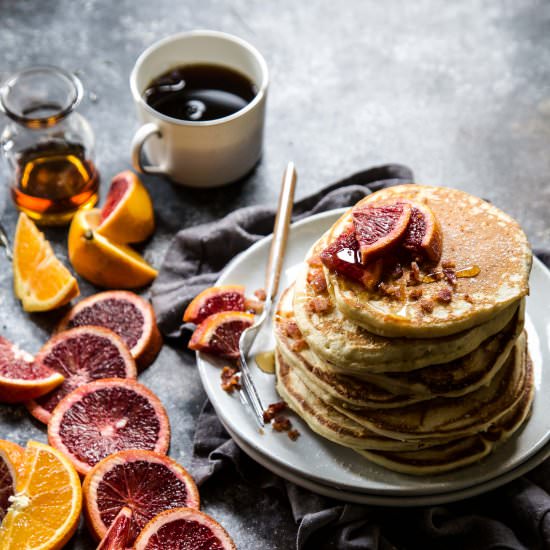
x=127, y=215
x=15, y=453
x=45, y=509
x=40, y=280
x=101, y=261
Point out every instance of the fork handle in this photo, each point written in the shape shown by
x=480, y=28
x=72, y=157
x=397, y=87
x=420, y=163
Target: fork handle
x=280, y=231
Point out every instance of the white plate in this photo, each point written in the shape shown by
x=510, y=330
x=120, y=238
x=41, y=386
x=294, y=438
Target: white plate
x=324, y=462
x=380, y=500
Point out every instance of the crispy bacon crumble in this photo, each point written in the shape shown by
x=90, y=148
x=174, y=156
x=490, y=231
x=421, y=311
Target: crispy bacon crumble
x=272, y=411
x=230, y=379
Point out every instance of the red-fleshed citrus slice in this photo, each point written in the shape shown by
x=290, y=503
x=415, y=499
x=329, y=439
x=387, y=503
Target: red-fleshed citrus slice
x=127, y=215
x=81, y=355
x=379, y=228
x=343, y=257
x=145, y=482
x=7, y=482
x=215, y=299
x=219, y=334
x=182, y=528
x=21, y=378
x=125, y=313
x=423, y=236
x=106, y=416
x=118, y=533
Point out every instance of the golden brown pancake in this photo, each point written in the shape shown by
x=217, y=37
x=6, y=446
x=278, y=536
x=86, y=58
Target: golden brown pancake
x=475, y=233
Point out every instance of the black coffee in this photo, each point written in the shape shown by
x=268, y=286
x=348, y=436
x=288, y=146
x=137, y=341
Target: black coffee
x=200, y=92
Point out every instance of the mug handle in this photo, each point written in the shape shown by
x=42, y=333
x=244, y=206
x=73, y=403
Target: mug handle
x=140, y=137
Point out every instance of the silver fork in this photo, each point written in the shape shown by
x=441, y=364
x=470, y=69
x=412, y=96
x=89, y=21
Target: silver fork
x=272, y=278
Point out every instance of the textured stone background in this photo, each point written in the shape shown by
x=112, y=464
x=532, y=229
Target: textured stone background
x=459, y=91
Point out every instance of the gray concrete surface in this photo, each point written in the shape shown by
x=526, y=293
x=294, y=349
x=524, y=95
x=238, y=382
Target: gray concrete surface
x=459, y=91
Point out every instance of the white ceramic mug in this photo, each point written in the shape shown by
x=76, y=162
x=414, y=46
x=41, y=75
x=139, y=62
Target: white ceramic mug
x=199, y=153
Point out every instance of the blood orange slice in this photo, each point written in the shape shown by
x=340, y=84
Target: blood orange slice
x=219, y=333
x=118, y=533
x=183, y=528
x=379, y=228
x=215, y=299
x=125, y=313
x=127, y=215
x=81, y=355
x=343, y=257
x=106, y=416
x=423, y=236
x=21, y=378
x=7, y=482
x=145, y=482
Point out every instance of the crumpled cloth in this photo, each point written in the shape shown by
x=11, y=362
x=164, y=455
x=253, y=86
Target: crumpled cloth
x=512, y=517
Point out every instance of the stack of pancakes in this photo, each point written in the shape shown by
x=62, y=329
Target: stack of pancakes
x=414, y=383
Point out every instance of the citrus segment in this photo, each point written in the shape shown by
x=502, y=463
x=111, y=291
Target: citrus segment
x=45, y=509
x=125, y=313
x=40, y=280
x=21, y=378
x=127, y=215
x=144, y=481
x=219, y=333
x=118, y=533
x=216, y=299
x=183, y=528
x=7, y=482
x=106, y=416
x=379, y=228
x=15, y=453
x=80, y=355
x=423, y=236
x=101, y=261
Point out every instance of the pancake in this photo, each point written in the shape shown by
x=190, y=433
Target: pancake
x=475, y=233
x=453, y=379
x=327, y=421
x=353, y=350
x=451, y=418
x=461, y=452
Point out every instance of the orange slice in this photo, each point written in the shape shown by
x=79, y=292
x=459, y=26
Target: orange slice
x=40, y=280
x=45, y=509
x=101, y=261
x=15, y=453
x=127, y=215
x=219, y=333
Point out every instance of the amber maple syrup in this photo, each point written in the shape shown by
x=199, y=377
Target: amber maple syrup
x=53, y=181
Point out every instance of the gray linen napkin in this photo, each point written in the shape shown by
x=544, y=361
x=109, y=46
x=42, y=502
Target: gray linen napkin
x=513, y=517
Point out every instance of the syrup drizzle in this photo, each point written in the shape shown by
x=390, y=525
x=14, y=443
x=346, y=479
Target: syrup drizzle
x=471, y=271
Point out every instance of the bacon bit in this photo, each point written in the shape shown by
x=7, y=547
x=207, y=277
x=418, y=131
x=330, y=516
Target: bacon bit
x=316, y=278
x=230, y=379
x=260, y=294
x=315, y=261
x=444, y=296
x=298, y=345
x=414, y=275
x=446, y=264
x=272, y=411
x=397, y=271
x=394, y=292
x=450, y=275
x=253, y=306
x=293, y=435
x=281, y=423
x=427, y=306
x=320, y=304
x=291, y=329
x=415, y=294
x=468, y=298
